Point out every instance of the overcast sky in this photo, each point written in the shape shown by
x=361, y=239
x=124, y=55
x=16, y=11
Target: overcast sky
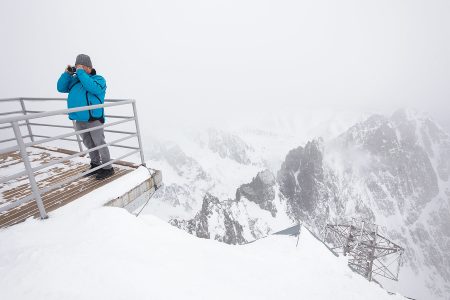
x=212, y=57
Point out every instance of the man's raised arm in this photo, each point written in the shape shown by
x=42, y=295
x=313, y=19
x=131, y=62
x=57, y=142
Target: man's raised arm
x=95, y=85
x=64, y=82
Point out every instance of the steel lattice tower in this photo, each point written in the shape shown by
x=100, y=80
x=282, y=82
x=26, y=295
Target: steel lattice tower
x=369, y=252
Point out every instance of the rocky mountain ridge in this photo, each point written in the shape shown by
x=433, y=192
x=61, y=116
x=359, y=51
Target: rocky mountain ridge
x=252, y=214
x=393, y=171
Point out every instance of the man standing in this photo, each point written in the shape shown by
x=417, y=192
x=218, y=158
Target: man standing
x=86, y=88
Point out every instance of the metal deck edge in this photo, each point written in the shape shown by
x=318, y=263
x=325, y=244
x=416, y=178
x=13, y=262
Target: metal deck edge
x=139, y=194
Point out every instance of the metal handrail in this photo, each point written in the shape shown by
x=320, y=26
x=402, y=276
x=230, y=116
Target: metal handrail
x=10, y=126
x=28, y=115
x=10, y=113
x=61, y=136
x=52, y=99
x=67, y=126
x=61, y=112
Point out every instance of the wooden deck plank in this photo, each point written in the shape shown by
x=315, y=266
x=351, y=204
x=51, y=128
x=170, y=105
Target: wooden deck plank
x=19, y=188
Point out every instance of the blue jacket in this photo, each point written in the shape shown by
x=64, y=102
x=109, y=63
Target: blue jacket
x=84, y=89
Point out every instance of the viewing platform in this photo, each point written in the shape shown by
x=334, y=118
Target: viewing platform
x=44, y=166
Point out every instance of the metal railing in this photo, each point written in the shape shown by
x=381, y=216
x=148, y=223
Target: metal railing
x=19, y=118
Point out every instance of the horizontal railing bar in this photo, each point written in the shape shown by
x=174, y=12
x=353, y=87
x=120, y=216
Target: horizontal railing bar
x=62, y=111
x=11, y=112
x=70, y=140
x=49, y=139
x=30, y=144
x=123, y=146
x=7, y=126
x=115, y=100
x=42, y=99
x=8, y=140
x=71, y=127
x=54, y=99
x=35, y=111
x=65, y=126
x=117, y=117
x=69, y=157
x=10, y=126
x=16, y=203
x=51, y=125
x=46, y=136
x=119, y=131
x=73, y=178
x=13, y=139
x=10, y=99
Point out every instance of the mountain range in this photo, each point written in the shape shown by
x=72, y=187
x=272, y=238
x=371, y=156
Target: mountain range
x=391, y=170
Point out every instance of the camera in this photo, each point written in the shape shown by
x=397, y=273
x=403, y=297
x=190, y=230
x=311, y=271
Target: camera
x=71, y=69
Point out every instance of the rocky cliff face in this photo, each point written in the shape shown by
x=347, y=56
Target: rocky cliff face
x=391, y=170
x=225, y=228
x=182, y=192
x=250, y=216
x=203, y=166
x=260, y=191
x=307, y=185
x=394, y=171
x=227, y=145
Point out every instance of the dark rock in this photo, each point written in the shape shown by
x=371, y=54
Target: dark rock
x=199, y=225
x=261, y=191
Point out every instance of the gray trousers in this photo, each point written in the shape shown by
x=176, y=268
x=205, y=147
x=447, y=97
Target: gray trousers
x=93, y=139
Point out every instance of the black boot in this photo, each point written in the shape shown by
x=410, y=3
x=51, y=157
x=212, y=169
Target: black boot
x=92, y=173
x=104, y=173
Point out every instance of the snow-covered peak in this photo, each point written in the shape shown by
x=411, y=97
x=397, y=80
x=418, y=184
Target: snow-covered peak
x=393, y=171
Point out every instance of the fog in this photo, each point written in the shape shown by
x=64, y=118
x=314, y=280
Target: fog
x=210, y=59
x=212, y=62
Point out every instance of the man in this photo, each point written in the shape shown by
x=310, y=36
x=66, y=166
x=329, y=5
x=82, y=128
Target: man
x=86, y=88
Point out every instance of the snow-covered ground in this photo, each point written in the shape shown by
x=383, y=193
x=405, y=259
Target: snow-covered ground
x=87, y=251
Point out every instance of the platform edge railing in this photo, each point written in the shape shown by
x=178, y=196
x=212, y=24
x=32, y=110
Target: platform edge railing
x=26, y=116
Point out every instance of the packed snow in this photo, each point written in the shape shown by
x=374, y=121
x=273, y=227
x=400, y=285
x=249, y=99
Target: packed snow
x=88, y=251
x=422, y=230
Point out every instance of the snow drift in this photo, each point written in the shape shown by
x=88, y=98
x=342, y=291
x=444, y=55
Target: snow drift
x=87, y=251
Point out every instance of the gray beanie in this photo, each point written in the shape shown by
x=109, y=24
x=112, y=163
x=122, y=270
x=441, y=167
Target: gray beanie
x=83, y=59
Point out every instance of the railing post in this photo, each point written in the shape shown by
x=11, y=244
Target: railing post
x=24, y=111
x=26, y=162
x=78, y=137
x=138, y=132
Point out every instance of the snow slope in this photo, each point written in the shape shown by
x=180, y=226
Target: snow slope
x=393, y=170
x=87, y=251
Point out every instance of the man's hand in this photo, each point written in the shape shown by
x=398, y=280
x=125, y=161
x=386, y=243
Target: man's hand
x=82, y=67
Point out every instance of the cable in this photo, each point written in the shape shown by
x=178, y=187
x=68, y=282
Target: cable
x=150, y=196
x=143, y=206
